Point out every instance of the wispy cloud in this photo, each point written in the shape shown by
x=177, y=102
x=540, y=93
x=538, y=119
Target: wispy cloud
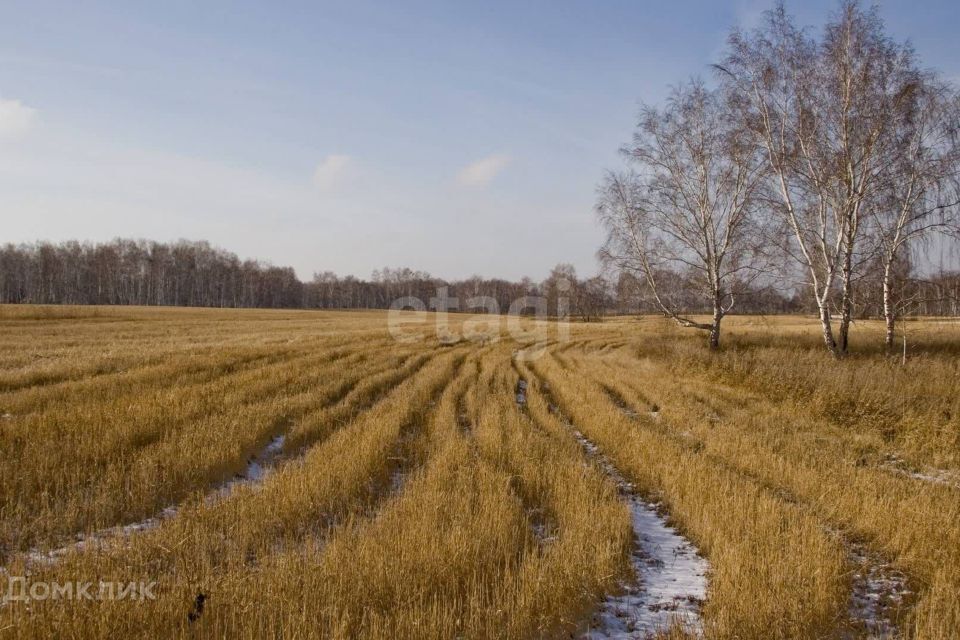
x=483, y=171
x=333, y=171
x=16, y=118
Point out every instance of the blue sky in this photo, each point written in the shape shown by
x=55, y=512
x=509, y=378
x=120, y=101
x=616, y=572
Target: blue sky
x=453, y=137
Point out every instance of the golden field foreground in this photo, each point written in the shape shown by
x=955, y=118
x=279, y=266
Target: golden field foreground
x=302, y=474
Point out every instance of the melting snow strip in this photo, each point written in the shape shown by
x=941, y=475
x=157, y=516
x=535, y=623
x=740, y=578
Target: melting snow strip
x=543, y=531
x=256, y=469
x=521, y=392
x=879, y=594
x=671, y=577
x=397, y=479
x=943, y=477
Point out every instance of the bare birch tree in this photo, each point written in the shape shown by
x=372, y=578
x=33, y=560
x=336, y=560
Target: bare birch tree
x=919, y=196
x=825, y=112
x=688, y=206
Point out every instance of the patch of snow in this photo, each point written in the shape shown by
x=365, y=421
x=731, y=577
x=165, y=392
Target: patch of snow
x=879, y=593
x=900, y=466
x=671, y=577
x=397, y=479
x=937, y=476
x=99, y=539
x=542, y=531
x=522, y=392
x=256, y=470
x=933, y=476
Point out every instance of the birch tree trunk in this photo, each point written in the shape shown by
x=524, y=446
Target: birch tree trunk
x=715, y=327
x=889, y=315
x=826, y=326
x=846, y=303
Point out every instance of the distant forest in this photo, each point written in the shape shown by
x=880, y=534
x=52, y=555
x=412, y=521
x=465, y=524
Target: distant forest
x=196, y=274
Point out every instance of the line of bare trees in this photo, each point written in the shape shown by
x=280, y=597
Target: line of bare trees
x=816, y=163
x=139, y=272
x=195, y=274
x=128, y=272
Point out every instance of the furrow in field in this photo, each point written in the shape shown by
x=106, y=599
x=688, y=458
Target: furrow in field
x=539, y=415
x=567, y=530
x=670, y=583
x=796, y=570
x=352, y=399
x=208, y=543
x=406, y=549
x=49, y=374
x=525, y=488
x=880, y=593
x=255, y=467
x=673, y=574
x=52, y=469
x=451, y=554
x=188, y=368
x=880, y=597
x=412, y=447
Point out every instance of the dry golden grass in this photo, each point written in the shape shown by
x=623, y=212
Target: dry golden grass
x=413, y=498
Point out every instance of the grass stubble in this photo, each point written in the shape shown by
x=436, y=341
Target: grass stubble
x=415, y=498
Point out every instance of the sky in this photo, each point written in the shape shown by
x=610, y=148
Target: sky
x=457, y=138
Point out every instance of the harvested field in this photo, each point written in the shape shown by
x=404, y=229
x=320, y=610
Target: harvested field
x=303, y=474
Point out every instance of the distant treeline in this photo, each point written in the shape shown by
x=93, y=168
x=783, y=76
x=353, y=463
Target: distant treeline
x=129, y=272
x=196, y=274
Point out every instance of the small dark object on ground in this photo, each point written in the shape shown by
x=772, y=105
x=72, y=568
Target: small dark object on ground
x=197, y=610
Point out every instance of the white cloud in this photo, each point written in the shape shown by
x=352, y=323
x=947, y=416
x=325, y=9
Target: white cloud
x=333, y=171
x=15, y=118
x=483, y=171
